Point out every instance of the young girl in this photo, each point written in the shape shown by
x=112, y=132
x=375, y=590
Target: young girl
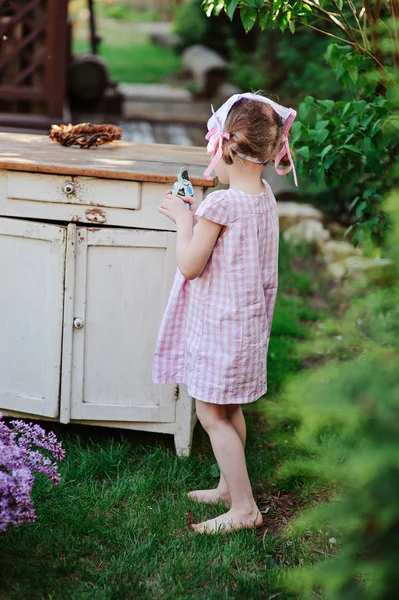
x=215, y=332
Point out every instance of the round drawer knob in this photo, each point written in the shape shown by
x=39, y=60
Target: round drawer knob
x=78, y=323
x=69, y=188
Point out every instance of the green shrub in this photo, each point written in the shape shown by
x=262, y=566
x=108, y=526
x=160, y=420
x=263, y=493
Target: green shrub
x=348, y=431
x=354, y=136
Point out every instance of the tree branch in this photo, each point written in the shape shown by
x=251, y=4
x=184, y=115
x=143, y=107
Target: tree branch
x=346, y=41
x=345, y=19
x=375, y=36
x=354, y=44
x=366, y=43
x=377, y=9
x=328, y=15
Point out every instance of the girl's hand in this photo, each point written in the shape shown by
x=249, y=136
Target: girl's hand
x=174, y=208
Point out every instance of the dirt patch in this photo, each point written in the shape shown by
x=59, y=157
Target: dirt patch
x=277, y=510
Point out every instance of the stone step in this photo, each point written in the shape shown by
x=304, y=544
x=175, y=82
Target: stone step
x=154, y=92
x=138, y=131
x=163, y=103
x=171, y=133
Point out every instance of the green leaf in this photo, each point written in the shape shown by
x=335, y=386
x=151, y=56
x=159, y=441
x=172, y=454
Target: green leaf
x=354, y=202
x=393, y=121
x=318, y=175
x=375, y=128
x=326, y=151
x=264, y=19
x=283, y=23
x=366, y=120
x=328, y=104
x=231, y=7
x=321, y=124
x=256, y=3
x=291, y=25
x=332, y=51
x=348, y=138
x=351, y=148
x=369, y=192
x=319, y=135
x=353, y=72
x=340, y=70
x=248, y=17
x=303, y=151
x=304, y=110
x=328, y=162
x=348, y=230
x=346, y=108
x=361, y=209
x=366, y=145
x=296, y=131
x=371, y=223
x=360, y=107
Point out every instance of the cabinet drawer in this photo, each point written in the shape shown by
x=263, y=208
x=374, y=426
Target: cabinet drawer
x=92, y=200
x=86, y=191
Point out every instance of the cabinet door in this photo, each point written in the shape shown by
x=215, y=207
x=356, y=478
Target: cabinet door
x=122, y=282
x=32, y=259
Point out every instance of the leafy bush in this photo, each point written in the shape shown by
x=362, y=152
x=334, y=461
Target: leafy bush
x=25, y=449
x=358, y=136
x=302, y=68
x=348, y=414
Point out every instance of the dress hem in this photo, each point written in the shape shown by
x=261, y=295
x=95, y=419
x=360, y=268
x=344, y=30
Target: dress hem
x=193, y=394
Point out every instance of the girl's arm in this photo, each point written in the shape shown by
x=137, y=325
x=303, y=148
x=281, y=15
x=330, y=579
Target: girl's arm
x=193, y=249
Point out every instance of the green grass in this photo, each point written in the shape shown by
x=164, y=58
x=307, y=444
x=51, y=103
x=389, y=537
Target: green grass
x=130, y=55
x=137, y=62
x=123, y=12
x=115, y=528
x=115, y=9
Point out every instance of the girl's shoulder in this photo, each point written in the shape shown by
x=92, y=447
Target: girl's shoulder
x=215, y=207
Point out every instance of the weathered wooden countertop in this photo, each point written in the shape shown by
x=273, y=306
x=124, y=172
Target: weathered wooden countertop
x=157, y=163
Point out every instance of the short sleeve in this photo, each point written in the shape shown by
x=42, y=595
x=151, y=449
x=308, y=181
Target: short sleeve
x=215, y=208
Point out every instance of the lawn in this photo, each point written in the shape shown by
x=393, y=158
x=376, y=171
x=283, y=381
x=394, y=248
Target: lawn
x=116, y=526
x=136, y=62
x=128, y=51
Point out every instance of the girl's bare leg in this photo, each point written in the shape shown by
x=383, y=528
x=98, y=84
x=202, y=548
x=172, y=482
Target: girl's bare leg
x=221, y=493
x=229, y=452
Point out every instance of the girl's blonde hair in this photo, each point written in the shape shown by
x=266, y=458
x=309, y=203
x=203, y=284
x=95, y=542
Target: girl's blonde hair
x=255, y=130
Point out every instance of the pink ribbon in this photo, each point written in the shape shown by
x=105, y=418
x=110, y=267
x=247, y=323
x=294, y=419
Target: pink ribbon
x=285, y=151
x=215, y=140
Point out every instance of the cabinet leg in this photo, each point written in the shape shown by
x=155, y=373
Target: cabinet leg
x=183, y=444
x=185, y=421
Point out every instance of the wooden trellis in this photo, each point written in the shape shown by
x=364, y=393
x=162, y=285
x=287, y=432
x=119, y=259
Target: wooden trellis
x=34, y=43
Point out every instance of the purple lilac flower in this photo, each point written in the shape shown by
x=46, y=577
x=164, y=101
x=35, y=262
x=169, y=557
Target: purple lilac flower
x=25, y=449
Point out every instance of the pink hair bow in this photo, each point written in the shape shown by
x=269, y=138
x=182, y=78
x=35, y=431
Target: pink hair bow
x=215, y=140
x=285, y=151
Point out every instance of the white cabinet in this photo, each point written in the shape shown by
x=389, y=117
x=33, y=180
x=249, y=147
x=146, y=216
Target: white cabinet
x=31, y=315
x=86, y=267
x=122, y=282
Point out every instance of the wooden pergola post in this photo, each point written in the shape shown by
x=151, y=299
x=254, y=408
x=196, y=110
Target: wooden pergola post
x=34, y=56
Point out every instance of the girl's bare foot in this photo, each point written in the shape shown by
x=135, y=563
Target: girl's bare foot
x=233, y=520
x=210, y=496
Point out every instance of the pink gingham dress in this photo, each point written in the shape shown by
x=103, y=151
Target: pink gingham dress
x=215, y=331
